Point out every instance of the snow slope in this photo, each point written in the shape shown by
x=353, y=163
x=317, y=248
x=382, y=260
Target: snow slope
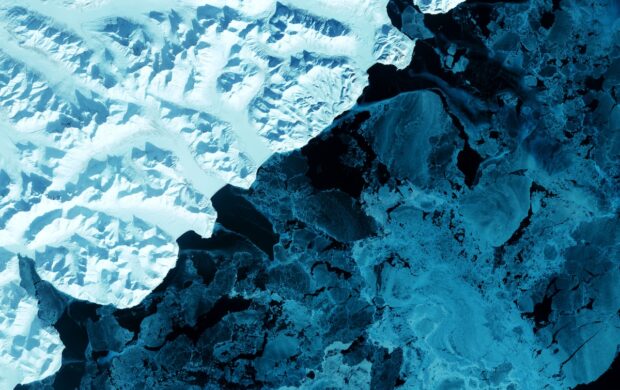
x=436, y=6
x=120, y=122
x=120, y=119
x=29, y=350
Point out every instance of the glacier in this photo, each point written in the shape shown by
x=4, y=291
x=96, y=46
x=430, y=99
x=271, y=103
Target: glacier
x=373, y=275
x=121, y=119
x=29, y=348
x=436, y=6
x=457, y=228
x=122, y=122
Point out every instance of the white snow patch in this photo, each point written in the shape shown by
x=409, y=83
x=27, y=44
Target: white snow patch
x=120, y=119
x=29, y=350
x=437, y=6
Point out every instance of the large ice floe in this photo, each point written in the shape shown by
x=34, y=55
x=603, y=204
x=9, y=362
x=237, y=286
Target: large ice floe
x=120, y=119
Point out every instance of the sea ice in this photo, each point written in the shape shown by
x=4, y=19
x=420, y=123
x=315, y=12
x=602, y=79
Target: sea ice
x=121, y=119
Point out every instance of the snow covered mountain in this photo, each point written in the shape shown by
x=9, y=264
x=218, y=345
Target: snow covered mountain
x=121, y=119
x=29, y=349
x=436, y=6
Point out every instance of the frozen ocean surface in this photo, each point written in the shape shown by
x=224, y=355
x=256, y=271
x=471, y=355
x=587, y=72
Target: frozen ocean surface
x=120, y=119
x=455, y=227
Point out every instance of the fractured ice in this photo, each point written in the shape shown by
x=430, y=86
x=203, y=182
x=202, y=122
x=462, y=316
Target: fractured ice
x=369, y=275
x=120, y=119
x=457, y=228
